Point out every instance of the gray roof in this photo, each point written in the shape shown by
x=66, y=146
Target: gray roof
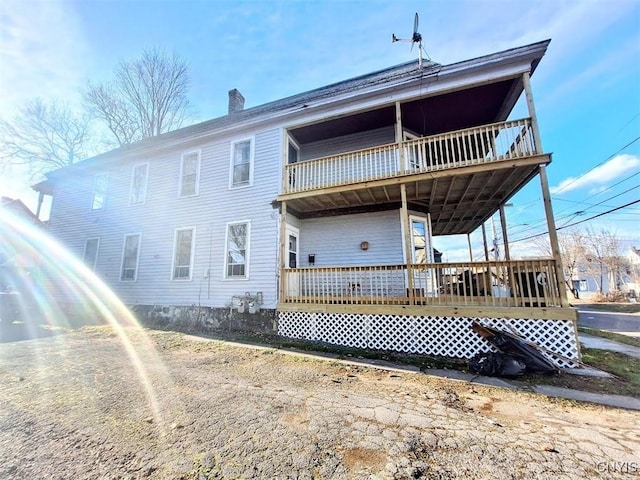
x=388, y=76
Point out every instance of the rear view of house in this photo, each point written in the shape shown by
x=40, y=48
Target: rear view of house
x=319, y=211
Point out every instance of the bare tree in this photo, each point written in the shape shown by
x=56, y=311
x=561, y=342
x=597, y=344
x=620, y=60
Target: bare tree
x=572, y=253
x=44, y=137
x=146, y=97
x=605, y=256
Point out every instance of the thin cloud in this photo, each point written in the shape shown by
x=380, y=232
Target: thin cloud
x=600, y=176
x=42, y=52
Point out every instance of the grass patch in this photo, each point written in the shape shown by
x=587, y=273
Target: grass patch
x=621, y=365
x=616, y=337
x=626, y=369
x=345, y=353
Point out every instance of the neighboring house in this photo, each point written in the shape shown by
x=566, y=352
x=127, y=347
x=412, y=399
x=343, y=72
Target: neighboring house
x=320, y=210
x=12, y=256
x=588, y=285
x=16, y=207
x=19, y=262
x=631, y=276
x=624, y=279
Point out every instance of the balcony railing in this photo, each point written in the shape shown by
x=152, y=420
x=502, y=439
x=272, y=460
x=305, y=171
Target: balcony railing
x=471, y=146
x=515, y=283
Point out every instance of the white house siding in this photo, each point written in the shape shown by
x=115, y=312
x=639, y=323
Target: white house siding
x=347, y=143
x=335, y=241
x=72, y=222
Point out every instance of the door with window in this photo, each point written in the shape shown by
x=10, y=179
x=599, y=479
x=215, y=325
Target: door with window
x=412, y=152
x=424, y=279
x=293, y=155
x=291, y=261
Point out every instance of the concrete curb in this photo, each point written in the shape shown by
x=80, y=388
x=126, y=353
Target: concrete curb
x=617, y=401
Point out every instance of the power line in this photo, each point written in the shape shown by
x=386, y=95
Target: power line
x=577, y=223
x=598, y=165
x=570, y=216
x=603, y=213
x=628, y=177
x=535, y=224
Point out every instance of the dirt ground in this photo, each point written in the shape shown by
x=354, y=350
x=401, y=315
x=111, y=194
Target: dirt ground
x=97, y=404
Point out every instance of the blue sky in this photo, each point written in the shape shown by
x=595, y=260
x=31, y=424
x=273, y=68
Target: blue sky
x=587, y=88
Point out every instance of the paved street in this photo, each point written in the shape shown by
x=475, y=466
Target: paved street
x=625, y=323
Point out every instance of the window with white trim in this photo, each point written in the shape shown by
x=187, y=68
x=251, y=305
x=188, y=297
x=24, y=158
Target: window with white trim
x=241, y=163
x=183, y=253
x=130, y=256
x=99, y=196
x=237, y=250
x=189, y=174
x=138, y=192
x=90, y=255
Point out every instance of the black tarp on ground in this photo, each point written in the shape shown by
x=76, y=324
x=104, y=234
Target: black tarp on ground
x=517, y=347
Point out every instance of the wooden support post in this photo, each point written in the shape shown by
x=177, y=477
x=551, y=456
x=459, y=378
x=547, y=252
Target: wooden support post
x=283, y=249
x=406, y=227
x=484, y=240
x=553, y=235
x=526, y=82
x=505, y=239
x=400, y=138
x=470, y=250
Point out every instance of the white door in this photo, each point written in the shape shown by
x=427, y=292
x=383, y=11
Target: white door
x=412, y=153
x=291, y=261
x=422, y=253
x=293, y=155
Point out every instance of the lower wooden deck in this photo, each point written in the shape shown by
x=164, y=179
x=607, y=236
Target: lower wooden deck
x=467, y=311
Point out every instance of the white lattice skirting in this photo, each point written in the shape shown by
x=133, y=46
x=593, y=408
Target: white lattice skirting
x=429, y=335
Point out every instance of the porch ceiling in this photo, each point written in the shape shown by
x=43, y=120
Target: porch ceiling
x=459, y=199
x=429, y=115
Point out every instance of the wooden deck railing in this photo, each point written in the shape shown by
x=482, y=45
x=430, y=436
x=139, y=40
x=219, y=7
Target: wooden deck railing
x=515, y=283
x=472, y=146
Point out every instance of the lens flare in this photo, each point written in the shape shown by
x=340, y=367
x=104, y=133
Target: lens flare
x=40, y=279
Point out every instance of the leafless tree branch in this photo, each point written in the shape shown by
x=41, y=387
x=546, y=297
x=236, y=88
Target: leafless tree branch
x=44, y=137
x=147, y=97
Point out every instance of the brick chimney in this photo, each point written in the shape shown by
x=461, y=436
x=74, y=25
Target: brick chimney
x=236, y=101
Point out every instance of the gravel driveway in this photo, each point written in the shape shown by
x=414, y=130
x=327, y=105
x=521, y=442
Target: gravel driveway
x=94, y=404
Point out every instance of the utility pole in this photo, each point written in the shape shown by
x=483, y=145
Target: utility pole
x=496, y=251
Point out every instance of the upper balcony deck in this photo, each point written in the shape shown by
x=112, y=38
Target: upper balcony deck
x=461, y=176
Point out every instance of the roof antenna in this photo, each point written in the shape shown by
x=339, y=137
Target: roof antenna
x=415, y=38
